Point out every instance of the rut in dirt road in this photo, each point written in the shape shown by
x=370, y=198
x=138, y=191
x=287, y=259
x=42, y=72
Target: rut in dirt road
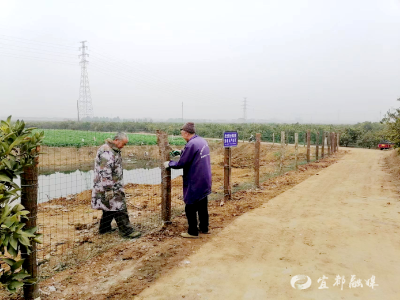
x=341, y=222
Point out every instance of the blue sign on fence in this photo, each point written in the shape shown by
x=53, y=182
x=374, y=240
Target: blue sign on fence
x=230, y=139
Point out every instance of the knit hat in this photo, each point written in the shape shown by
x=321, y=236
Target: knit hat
x=189, y=127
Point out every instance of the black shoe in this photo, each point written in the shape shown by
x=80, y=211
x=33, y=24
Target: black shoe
x=108, y=231
x=132, y=235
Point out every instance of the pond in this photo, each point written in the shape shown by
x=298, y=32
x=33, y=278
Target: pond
x=62, y=184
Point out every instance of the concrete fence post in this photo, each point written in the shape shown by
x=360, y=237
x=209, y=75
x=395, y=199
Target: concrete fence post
x=317, y=146
x=308, y=146
x=257, y=160
x=165, y=149
x=281, y=165
x=328, y=142
x=227, y=173
x=296, y=149
x=29, y=192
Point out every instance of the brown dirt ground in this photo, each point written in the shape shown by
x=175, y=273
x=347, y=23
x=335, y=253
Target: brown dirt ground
x=342, y=223
x=124, y=268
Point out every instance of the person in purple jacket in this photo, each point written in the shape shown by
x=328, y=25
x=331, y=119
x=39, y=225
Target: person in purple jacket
x=196, y=164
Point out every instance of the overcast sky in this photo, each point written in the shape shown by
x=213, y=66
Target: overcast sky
x=308, y=61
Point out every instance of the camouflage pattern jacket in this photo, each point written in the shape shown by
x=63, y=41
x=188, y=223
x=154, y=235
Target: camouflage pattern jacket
x=108, y=192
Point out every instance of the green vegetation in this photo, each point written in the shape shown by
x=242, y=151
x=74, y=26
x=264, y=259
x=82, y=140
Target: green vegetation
x=70, y=133
x=79, y=138
x=392, y=122
x=18, y=150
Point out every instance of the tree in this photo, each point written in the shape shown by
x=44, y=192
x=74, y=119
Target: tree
x=392, y=130
x=349, y=136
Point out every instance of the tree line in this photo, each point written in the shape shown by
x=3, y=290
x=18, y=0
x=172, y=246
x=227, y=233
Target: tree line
x=366, y=134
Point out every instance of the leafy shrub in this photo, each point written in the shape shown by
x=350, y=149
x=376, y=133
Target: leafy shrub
x=18, y=149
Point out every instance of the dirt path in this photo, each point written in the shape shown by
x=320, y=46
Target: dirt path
x=342, y=222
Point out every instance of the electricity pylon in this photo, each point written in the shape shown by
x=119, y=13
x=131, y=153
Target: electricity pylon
x=84, y=103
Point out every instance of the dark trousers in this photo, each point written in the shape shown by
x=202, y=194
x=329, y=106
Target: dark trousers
x=201, y=208
x=122, y=219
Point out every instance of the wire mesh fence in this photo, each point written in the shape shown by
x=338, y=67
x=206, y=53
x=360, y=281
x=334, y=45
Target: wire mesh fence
x=71, y=228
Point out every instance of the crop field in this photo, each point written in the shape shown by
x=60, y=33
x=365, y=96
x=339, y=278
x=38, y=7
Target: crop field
x=80, y=138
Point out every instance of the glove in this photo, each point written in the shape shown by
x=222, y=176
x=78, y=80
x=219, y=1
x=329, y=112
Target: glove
x=109, y=195
x=166, y=164
x=174, y=153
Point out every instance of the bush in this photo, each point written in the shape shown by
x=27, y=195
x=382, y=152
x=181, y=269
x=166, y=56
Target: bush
x=18, y=149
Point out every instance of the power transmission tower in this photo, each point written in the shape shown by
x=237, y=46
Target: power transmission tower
x=84, y=103
x=244, y=110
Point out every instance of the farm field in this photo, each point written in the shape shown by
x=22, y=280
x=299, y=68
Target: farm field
x=81, y=138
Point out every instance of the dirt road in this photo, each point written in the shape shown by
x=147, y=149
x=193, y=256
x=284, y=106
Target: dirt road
x=344, y=221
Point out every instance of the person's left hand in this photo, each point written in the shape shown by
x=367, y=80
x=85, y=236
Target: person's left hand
x=166, y=164
x=174, y=153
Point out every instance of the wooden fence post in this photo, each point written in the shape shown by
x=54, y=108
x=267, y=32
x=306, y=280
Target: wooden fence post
x=323, y=145
x=338, y=141
x=257, y=160
x=165, y=149
x=333, y=143
x=296, y=149
x=273, y=139
x=282, y=151
x=317, y=146
x=227, y=174
x=29, y=192
x=308, y=146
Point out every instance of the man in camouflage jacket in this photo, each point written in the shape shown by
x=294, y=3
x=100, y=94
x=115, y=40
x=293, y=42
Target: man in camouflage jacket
x=108, y=191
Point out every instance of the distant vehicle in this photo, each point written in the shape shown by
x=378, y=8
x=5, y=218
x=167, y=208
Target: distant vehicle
x=385, y=145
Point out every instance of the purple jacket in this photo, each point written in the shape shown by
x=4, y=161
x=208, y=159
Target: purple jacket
x=196, y=163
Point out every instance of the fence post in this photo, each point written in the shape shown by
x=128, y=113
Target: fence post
x=273, y=139
x=227, y=174
x=338, y=141
x=29, y=192
x=317, y=146
x=328, y=142
x=165, y=149
x=282, y=151
x=257, y=160
x=323, y=145
x=333, y=142
x=308, y=146
x=296, y=149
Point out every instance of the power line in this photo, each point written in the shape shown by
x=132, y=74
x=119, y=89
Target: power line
x=35, y=52
x=138, y=81
x=37, y=58
x=22, y=40
x=146, y=74
x=39, y=50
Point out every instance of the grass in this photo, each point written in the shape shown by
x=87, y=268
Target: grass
x=80, y=138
